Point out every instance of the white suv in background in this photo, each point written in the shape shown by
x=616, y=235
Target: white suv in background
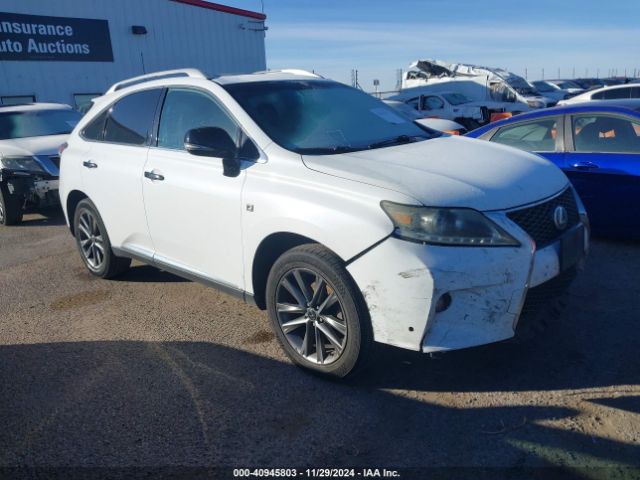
x=613, y=92
x=30, y=136
x=344, y=219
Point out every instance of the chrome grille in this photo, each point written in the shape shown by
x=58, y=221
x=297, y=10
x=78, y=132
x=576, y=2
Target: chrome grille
x=538, y=222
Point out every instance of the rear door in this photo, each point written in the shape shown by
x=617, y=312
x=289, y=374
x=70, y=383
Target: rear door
x=193, y=210
x=113, y=166
x=603, y=163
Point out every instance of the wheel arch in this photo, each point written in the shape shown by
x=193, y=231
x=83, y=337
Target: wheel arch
x=268, y=251
x=73, y=199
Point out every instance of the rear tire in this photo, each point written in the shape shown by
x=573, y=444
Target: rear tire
x=94, y=244
x=318, y=313
x=10, y=207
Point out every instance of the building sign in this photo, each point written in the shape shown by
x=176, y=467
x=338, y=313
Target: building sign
x=34, y=37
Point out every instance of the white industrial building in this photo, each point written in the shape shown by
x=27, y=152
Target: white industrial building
x=69, y=51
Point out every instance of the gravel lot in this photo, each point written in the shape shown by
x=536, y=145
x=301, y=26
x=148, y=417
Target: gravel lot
x=150, y=370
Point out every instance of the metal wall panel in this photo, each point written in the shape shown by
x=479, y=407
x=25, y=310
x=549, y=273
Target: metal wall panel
x=179, y=35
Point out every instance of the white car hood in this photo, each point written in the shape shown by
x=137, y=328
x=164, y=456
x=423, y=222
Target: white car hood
x=450, y=171
x=46, y=145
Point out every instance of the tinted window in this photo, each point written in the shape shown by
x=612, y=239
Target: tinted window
x=612, y=94
x=604, y=133
x=538, y=136
x=95, y=129
x=186, y=109
x=131, y=118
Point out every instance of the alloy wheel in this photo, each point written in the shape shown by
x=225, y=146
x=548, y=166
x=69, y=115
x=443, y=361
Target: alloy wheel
x=311, y=316
x=91, y=240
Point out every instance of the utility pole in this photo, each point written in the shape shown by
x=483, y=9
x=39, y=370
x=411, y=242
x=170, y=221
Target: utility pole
x=543, y=74
x=354, y=79
x=525, y=74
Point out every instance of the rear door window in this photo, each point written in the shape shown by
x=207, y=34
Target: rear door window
x=605, y=133
x=536, y=136
x=130, y=119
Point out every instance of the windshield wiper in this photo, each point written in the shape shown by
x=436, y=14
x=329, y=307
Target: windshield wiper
x=326, y=150
x=400, y=139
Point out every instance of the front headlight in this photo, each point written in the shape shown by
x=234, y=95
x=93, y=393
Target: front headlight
x=446, y=226
x=25, y=164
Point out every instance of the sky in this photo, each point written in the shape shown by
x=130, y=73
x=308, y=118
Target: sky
x=378, y=37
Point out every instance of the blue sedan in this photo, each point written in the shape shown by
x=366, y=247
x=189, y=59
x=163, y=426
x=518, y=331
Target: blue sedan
x=597, y=145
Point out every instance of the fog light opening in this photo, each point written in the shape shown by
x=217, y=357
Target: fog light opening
x=443, y=303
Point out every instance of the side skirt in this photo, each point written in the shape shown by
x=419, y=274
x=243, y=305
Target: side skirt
x=186, y=273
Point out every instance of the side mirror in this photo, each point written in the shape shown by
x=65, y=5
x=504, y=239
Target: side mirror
x=209, y=142
x=214, y=142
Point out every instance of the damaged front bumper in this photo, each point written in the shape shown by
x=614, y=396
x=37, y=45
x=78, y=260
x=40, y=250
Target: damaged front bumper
x=437, y=298
x=34, y=190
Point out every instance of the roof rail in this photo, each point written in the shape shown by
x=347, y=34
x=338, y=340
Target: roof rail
x=181, y=72
x=292, y=71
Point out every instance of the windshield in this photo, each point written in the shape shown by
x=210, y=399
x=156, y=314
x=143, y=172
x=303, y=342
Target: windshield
x=37, y=123
x=525, y=90
x=567, y=84
x=324, y=117
x=501, y=93
x=543, y=87
x=456, y=98
x=521, y=86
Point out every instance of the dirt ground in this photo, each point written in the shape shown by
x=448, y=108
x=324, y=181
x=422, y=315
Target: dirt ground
x=153, y=371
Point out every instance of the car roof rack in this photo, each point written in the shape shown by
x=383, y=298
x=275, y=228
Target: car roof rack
x=181, y=72
x=291, y=71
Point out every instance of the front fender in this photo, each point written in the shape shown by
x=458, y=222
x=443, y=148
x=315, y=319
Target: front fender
x=342, y=215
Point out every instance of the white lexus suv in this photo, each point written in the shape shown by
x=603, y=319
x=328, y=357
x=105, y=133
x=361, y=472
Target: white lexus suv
x=344, y=219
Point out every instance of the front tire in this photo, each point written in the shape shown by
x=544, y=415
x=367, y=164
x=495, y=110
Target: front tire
x=318, y=313
x=10, y=207
x=93, y=243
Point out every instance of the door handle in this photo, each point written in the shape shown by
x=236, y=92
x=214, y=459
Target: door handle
x=585, y=165
x=89, y=164
x=153, y=176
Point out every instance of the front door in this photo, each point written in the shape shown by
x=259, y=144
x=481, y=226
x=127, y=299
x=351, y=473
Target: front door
x=193, y=210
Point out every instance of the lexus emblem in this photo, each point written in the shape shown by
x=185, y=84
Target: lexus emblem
x=560, y=217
